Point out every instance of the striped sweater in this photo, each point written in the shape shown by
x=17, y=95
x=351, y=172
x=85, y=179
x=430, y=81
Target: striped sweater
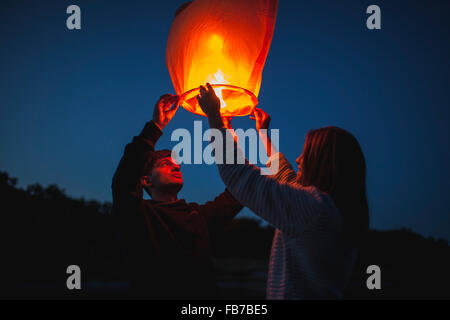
x=308, y=257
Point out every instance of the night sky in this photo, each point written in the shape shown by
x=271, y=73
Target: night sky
x=71, y=100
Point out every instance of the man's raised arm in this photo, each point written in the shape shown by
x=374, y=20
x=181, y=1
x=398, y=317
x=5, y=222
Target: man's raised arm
x=220, y=211
x=126, y=180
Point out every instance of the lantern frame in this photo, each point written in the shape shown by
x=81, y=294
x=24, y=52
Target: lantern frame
x=188, y=100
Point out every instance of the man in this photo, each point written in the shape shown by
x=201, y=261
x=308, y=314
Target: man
x=168, y=241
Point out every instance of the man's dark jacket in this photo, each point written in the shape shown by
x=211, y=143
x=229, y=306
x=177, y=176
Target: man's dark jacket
x=168, y=244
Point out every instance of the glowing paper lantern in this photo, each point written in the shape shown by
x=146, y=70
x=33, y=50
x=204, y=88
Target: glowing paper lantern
x=225, y=43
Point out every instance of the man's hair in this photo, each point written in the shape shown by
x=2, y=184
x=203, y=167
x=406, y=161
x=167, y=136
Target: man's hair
x=155, y=156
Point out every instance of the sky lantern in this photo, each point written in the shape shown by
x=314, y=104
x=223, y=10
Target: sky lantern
x=225, y=43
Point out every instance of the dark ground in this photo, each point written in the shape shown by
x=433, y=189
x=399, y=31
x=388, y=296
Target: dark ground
x=44, y=231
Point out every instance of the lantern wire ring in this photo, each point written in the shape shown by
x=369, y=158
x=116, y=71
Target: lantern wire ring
x=196, y=91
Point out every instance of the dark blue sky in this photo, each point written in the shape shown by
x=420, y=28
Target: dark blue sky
x=71, y=100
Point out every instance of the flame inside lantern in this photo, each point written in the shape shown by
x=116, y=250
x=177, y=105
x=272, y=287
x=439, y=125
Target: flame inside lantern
x=218, y=78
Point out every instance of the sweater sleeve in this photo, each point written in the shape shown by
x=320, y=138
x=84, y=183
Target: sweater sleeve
x=288, y=207
x=284, y=173
x=220, y=211
x=125, y=183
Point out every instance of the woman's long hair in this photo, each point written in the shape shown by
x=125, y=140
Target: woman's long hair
x=333, y=161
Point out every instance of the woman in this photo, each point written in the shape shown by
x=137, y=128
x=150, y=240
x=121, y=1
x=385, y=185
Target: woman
x=320, y=214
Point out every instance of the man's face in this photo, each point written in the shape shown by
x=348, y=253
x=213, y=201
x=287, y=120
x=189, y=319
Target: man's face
x=166, y=174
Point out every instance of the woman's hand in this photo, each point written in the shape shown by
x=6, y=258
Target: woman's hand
x=165, y=109
x=210, y=105
x=261, y=118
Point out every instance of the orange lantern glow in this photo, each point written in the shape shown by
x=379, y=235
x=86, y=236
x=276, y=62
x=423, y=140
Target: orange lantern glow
x=225, y=43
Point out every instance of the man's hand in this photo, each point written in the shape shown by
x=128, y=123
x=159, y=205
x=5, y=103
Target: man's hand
x=210, y=105
x=261, y=118
x=165, y=109
x=227, y=122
